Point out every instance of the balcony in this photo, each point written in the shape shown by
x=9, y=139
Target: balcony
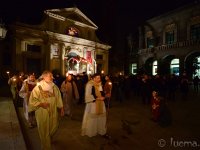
x=169, y=46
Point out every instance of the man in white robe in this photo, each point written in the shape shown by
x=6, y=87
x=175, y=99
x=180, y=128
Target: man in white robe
x=25, y=91
x=45, y=99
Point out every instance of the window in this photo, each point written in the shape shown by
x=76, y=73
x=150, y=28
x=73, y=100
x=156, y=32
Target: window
x=99, y=68
x=169, y=37
x=100, y=57
x=134, y=69
x=170, y=33
x=33, y=48
x=196, y=64
x=150, y=39
x=150, y=42
x=174, y=67
x=195, y=32
x=155, y=67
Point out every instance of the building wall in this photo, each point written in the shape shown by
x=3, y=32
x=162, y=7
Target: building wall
x=179, y=21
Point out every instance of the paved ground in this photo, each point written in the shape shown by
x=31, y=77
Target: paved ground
x=130, y=127
x=11, y=137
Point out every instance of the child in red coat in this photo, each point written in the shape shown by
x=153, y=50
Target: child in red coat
x=155, y=106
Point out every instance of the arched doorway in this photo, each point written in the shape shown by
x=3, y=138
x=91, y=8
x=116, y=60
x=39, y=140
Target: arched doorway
x=155, y=68
x=75, y=64
x=148, y=66
x=192, y=64
x=165, y=65
x=174, y=66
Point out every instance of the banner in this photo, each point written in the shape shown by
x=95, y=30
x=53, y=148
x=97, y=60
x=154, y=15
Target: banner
x=89, y=56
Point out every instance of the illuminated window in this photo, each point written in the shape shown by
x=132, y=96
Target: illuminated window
x=155, y=67
x=134, y=69
x=196, y=63
x=174, y=67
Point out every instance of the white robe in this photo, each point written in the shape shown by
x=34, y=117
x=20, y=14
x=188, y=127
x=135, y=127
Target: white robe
x=93, y=123
x=24, y=93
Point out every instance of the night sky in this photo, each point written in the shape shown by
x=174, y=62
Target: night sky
x=113, y=17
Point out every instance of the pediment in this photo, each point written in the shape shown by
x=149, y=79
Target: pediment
x=72, y=14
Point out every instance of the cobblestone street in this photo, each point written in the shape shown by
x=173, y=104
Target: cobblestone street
x=130, y=128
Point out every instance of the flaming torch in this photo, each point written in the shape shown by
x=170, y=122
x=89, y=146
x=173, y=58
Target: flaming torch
x=8, y=73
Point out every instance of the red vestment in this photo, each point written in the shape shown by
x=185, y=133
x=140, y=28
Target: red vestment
x=155, y=106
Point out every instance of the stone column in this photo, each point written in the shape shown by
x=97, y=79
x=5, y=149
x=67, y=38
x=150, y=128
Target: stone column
x=62, y=59
x=181, y=65
x=141, y=37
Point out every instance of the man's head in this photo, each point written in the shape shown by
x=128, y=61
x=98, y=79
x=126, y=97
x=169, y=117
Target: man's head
x=107, y=77
x=154, y=93
x=47, y=76
x=69, y=77
x=97, y=78
x=31, y=77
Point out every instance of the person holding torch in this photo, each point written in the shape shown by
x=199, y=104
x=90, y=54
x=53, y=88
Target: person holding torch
x=13, y=86
x=107, y=91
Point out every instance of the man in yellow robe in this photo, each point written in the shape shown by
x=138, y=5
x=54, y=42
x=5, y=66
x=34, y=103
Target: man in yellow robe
x=45, y=99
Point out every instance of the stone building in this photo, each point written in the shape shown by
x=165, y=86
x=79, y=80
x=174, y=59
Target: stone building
x=170, y=43
x=65, y=41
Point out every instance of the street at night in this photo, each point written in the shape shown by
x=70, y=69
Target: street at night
x=100, y=75
x=130, y=127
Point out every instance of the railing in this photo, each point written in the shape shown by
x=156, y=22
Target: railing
x=169, y=46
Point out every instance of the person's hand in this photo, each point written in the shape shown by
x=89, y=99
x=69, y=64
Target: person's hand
x=108, y=95
x=44, y=105
x=101, y=98
x=62, y=112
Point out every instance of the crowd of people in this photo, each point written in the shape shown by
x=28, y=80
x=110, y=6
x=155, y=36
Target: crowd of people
x=50, y=96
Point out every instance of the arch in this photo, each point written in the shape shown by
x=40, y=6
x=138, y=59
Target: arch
x=71, y=54
x=73, y=65
x=148, y=66
x=154, y=67
x=191, y=63
x=76, y=64
x=164, y=66
x=174, y=66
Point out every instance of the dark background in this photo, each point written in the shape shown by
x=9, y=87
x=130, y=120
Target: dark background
x=116, y=19
x=108, y=15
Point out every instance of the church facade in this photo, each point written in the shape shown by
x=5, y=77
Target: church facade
x=64, y=41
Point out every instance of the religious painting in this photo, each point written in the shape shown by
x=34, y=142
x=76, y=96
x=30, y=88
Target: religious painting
x=55, y=52
x=89, y=56
x=72, y=31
